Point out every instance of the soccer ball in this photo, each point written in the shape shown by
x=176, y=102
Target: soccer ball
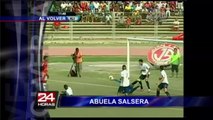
x=111, y=77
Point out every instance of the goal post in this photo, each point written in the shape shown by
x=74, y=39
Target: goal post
x=129, y=39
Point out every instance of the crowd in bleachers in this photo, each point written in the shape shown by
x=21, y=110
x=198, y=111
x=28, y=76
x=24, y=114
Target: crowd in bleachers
x=116, y=6
x=127, y=11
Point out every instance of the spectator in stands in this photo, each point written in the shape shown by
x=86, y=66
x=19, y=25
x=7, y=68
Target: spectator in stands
x=135, y=15
x=173, y=3
x=156, y=10
x=168, y=12
x=76, y=8
x=151, y=9
x=69, y=7
x=176, y=25
x=164, y=3
x=172, y=6
x=144, y=12
x=56, y=25
x=63, y=6
x=83, y=6
x=152, y=4
x=117, y=7
x=96, y=5
x=163, y=15
x=163, y=11
x=92, y=7
x=180, y=7
x=112, y=6
x=138, y=21
x=138, y=7
x=103, y=6
x=133, y=7
x=159, y=4
x=149, y=18
x=121, y=6
x=147, y=5
x=108, y=18
x=99, y=9
x=108, y=6
x=127, y=8
x=128, y=22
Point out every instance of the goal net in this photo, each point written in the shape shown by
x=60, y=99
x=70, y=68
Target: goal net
x=156, y=51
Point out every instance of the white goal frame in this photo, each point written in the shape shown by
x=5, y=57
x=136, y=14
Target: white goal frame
x=129, y=39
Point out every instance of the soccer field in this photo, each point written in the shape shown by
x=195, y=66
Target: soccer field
x=94, y=81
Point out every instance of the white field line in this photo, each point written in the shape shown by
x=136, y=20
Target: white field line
x=97, y=65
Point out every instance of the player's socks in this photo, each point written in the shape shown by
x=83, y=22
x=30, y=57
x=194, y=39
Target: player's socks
x=141, y=85
x=158, y=93
x=167, y=93
x=134, y=82
x=147, y=83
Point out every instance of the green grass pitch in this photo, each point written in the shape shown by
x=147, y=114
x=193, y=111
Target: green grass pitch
x=94, y=81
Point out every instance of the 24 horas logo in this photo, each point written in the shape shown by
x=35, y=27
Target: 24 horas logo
x=47, y=99
x=161, y=54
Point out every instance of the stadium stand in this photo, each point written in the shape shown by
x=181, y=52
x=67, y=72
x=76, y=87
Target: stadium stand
x=99, y=29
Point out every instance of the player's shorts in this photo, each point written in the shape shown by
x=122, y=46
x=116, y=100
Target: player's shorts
x=163, y=85
x=44, y=78
x=121, y=89
x=129, y=89
x=175, y=68
x=124, y=90
x=143, y=77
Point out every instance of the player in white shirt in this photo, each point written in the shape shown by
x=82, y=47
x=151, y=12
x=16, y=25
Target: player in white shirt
x=125, y=87
x=68, y=90
x=164, y=83
x=144, y=74
x=124, y=81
